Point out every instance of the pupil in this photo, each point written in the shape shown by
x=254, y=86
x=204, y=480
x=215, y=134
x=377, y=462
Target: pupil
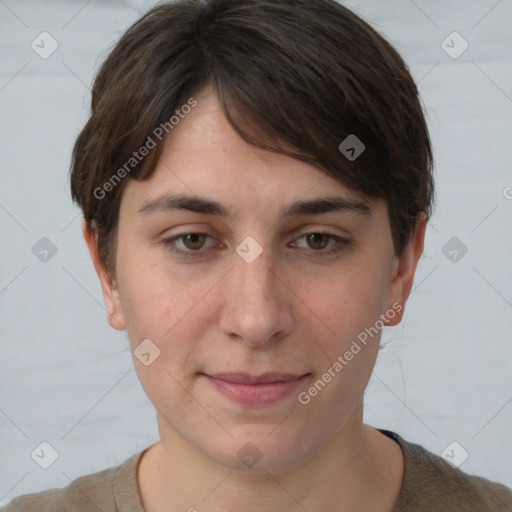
x=194, y=238
x=316, y=237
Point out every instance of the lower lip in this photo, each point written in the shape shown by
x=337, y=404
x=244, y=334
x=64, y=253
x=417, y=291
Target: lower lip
x=255, y=394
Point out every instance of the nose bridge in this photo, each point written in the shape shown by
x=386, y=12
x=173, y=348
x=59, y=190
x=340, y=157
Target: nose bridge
x=256, y=308
x=254, y=279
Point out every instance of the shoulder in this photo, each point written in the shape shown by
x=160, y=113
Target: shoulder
x=92, y=492
x=430, y=483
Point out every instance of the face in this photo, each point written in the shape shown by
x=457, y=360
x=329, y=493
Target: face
x=253, y=290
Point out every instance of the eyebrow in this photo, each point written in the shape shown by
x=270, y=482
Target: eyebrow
x=194, y=203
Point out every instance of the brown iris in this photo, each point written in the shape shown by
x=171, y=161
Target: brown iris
x=318, y=238
x=196, y=240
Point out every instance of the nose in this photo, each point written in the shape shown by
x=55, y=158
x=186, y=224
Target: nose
x=257, y=305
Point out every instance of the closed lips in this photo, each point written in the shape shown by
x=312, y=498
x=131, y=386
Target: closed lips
x=245, y=378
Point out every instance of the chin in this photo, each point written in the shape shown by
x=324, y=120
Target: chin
x=259, y=453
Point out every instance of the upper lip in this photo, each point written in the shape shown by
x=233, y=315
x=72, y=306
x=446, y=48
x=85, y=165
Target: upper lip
x=246, y=378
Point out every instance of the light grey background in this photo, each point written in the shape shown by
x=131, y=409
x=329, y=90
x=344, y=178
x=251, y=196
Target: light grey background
x=67, y=377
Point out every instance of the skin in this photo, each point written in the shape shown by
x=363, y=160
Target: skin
x=290, y=310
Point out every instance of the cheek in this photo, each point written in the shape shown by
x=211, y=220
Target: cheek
x=350, y=308
x=162, y=306
x=170, y=308
x=350, y=302
x=154, y=295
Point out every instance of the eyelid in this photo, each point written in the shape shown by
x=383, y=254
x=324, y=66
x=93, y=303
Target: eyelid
x=342, y=241
x=205, y=229
x=171, y=240
x=324, y=229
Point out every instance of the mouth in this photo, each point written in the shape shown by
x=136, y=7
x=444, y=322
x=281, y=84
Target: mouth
x=255, y=390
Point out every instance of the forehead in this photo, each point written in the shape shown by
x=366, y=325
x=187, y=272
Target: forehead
x=204, y=157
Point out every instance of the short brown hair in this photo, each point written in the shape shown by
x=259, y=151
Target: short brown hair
x=292, y=76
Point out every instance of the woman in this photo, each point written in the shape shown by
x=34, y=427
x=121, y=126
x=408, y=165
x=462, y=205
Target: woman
x=256, y=180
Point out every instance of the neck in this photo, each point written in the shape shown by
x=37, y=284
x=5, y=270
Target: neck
x=353, y=471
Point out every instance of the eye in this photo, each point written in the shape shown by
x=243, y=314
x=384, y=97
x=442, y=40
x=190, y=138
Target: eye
x=319, y=241
x=193, y=242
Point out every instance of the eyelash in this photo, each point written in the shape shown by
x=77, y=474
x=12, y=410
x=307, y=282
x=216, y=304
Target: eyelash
x=169, y=244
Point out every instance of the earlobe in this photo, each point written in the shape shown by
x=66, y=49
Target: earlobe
x=404, y=271
x=109, y=287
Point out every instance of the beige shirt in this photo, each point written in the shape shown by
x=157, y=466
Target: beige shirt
x=430, y=484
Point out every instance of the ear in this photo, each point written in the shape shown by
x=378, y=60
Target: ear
x=108, y=284
x=404, y=270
